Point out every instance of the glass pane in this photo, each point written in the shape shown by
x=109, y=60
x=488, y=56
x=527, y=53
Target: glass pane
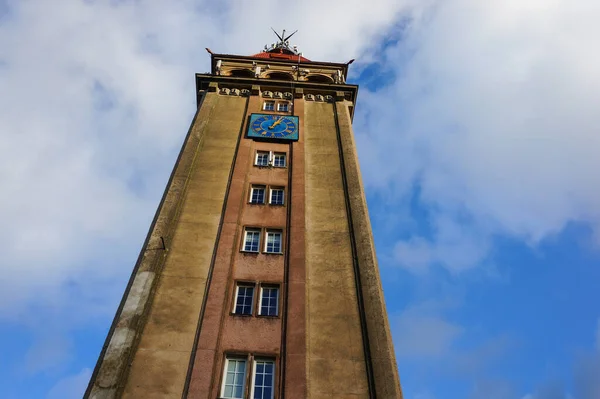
x=279, y=160
x=262, y=159
x=231, y=365
x=228, y=391
x=237, y=380
x=244, y=306
x=238, y=391
x=269, y=368
x=252, y=240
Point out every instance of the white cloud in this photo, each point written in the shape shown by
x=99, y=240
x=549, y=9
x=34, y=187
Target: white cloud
x=493, y=114
x=454, y=246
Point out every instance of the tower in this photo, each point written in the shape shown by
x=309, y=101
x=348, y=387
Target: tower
x=258, y=277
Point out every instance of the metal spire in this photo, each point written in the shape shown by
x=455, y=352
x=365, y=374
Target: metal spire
x=283, y=42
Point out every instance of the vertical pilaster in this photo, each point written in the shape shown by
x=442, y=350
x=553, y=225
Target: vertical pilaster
x=335, y=358
x=383, y=360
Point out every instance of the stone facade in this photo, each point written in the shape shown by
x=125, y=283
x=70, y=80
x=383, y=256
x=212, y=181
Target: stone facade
x=175, y=327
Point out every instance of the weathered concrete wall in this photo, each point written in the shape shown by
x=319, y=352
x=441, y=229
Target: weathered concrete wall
x=336, y=363
x=383, y=360
x=149, y=349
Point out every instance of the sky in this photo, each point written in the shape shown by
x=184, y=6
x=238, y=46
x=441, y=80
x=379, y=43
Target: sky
x=477, y=128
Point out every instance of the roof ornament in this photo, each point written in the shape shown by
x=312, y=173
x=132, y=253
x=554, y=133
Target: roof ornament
x=283, y=45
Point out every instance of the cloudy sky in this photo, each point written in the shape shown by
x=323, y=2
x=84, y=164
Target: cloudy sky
x=478, y=126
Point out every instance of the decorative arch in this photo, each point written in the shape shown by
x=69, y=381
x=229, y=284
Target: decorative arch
x=241, y=73
x=319, y=78
x=280, y=76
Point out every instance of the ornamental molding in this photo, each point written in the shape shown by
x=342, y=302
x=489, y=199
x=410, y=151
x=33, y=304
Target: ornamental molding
x=319, y=97
x=226, y=91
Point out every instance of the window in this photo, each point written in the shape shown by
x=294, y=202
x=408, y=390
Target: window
x=262, y=158
x=234, y=378
x=277, y=195
x=263, y=379
x=279, y=160
x=283, y=107
x=251, y=240
x=273, y=242
x=243, y=299
x=269, y=106
x=266, y=158
x=257, y=195
x=269, y=301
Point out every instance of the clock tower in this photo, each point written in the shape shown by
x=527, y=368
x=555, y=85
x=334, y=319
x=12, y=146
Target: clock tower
x=258, y=278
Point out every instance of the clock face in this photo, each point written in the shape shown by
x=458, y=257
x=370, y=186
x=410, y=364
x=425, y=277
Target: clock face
x=283, y=127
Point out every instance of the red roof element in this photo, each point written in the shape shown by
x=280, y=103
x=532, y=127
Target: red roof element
x=280, y=56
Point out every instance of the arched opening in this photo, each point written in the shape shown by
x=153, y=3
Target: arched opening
x=281, y=76
x=319, y=79
x=242, y=73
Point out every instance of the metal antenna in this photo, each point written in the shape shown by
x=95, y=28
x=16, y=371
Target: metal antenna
x=285, y=40
x=277, y=34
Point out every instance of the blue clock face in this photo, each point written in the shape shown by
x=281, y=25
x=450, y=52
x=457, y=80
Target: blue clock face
x=273, y=126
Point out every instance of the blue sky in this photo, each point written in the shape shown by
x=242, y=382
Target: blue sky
x=477, y=132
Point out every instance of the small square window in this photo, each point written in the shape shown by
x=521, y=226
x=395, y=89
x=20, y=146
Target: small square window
x=243, y=299
x=273, y=242
x=269, y=301
x=269, y=106
x=277, y=195
x=234, y=378
x=262, y=158
x=257, y=194
x=251, y=240
x=279, y=160
x=283, y=107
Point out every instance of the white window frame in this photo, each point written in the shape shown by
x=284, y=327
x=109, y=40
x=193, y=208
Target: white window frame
x=237, y=293
x=227, y=360
x=267, y=153
x=258, y=187
x=273, y=232
x=260, y=298
x=271, y=102
x=253, y=376
x=281, y=104
x=271, y=189
x=246, y=231
x=275, y=154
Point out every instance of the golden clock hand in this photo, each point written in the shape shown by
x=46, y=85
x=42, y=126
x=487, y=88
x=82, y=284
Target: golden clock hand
x=276, y=123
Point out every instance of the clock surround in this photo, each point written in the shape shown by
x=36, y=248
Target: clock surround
x=271, y=126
